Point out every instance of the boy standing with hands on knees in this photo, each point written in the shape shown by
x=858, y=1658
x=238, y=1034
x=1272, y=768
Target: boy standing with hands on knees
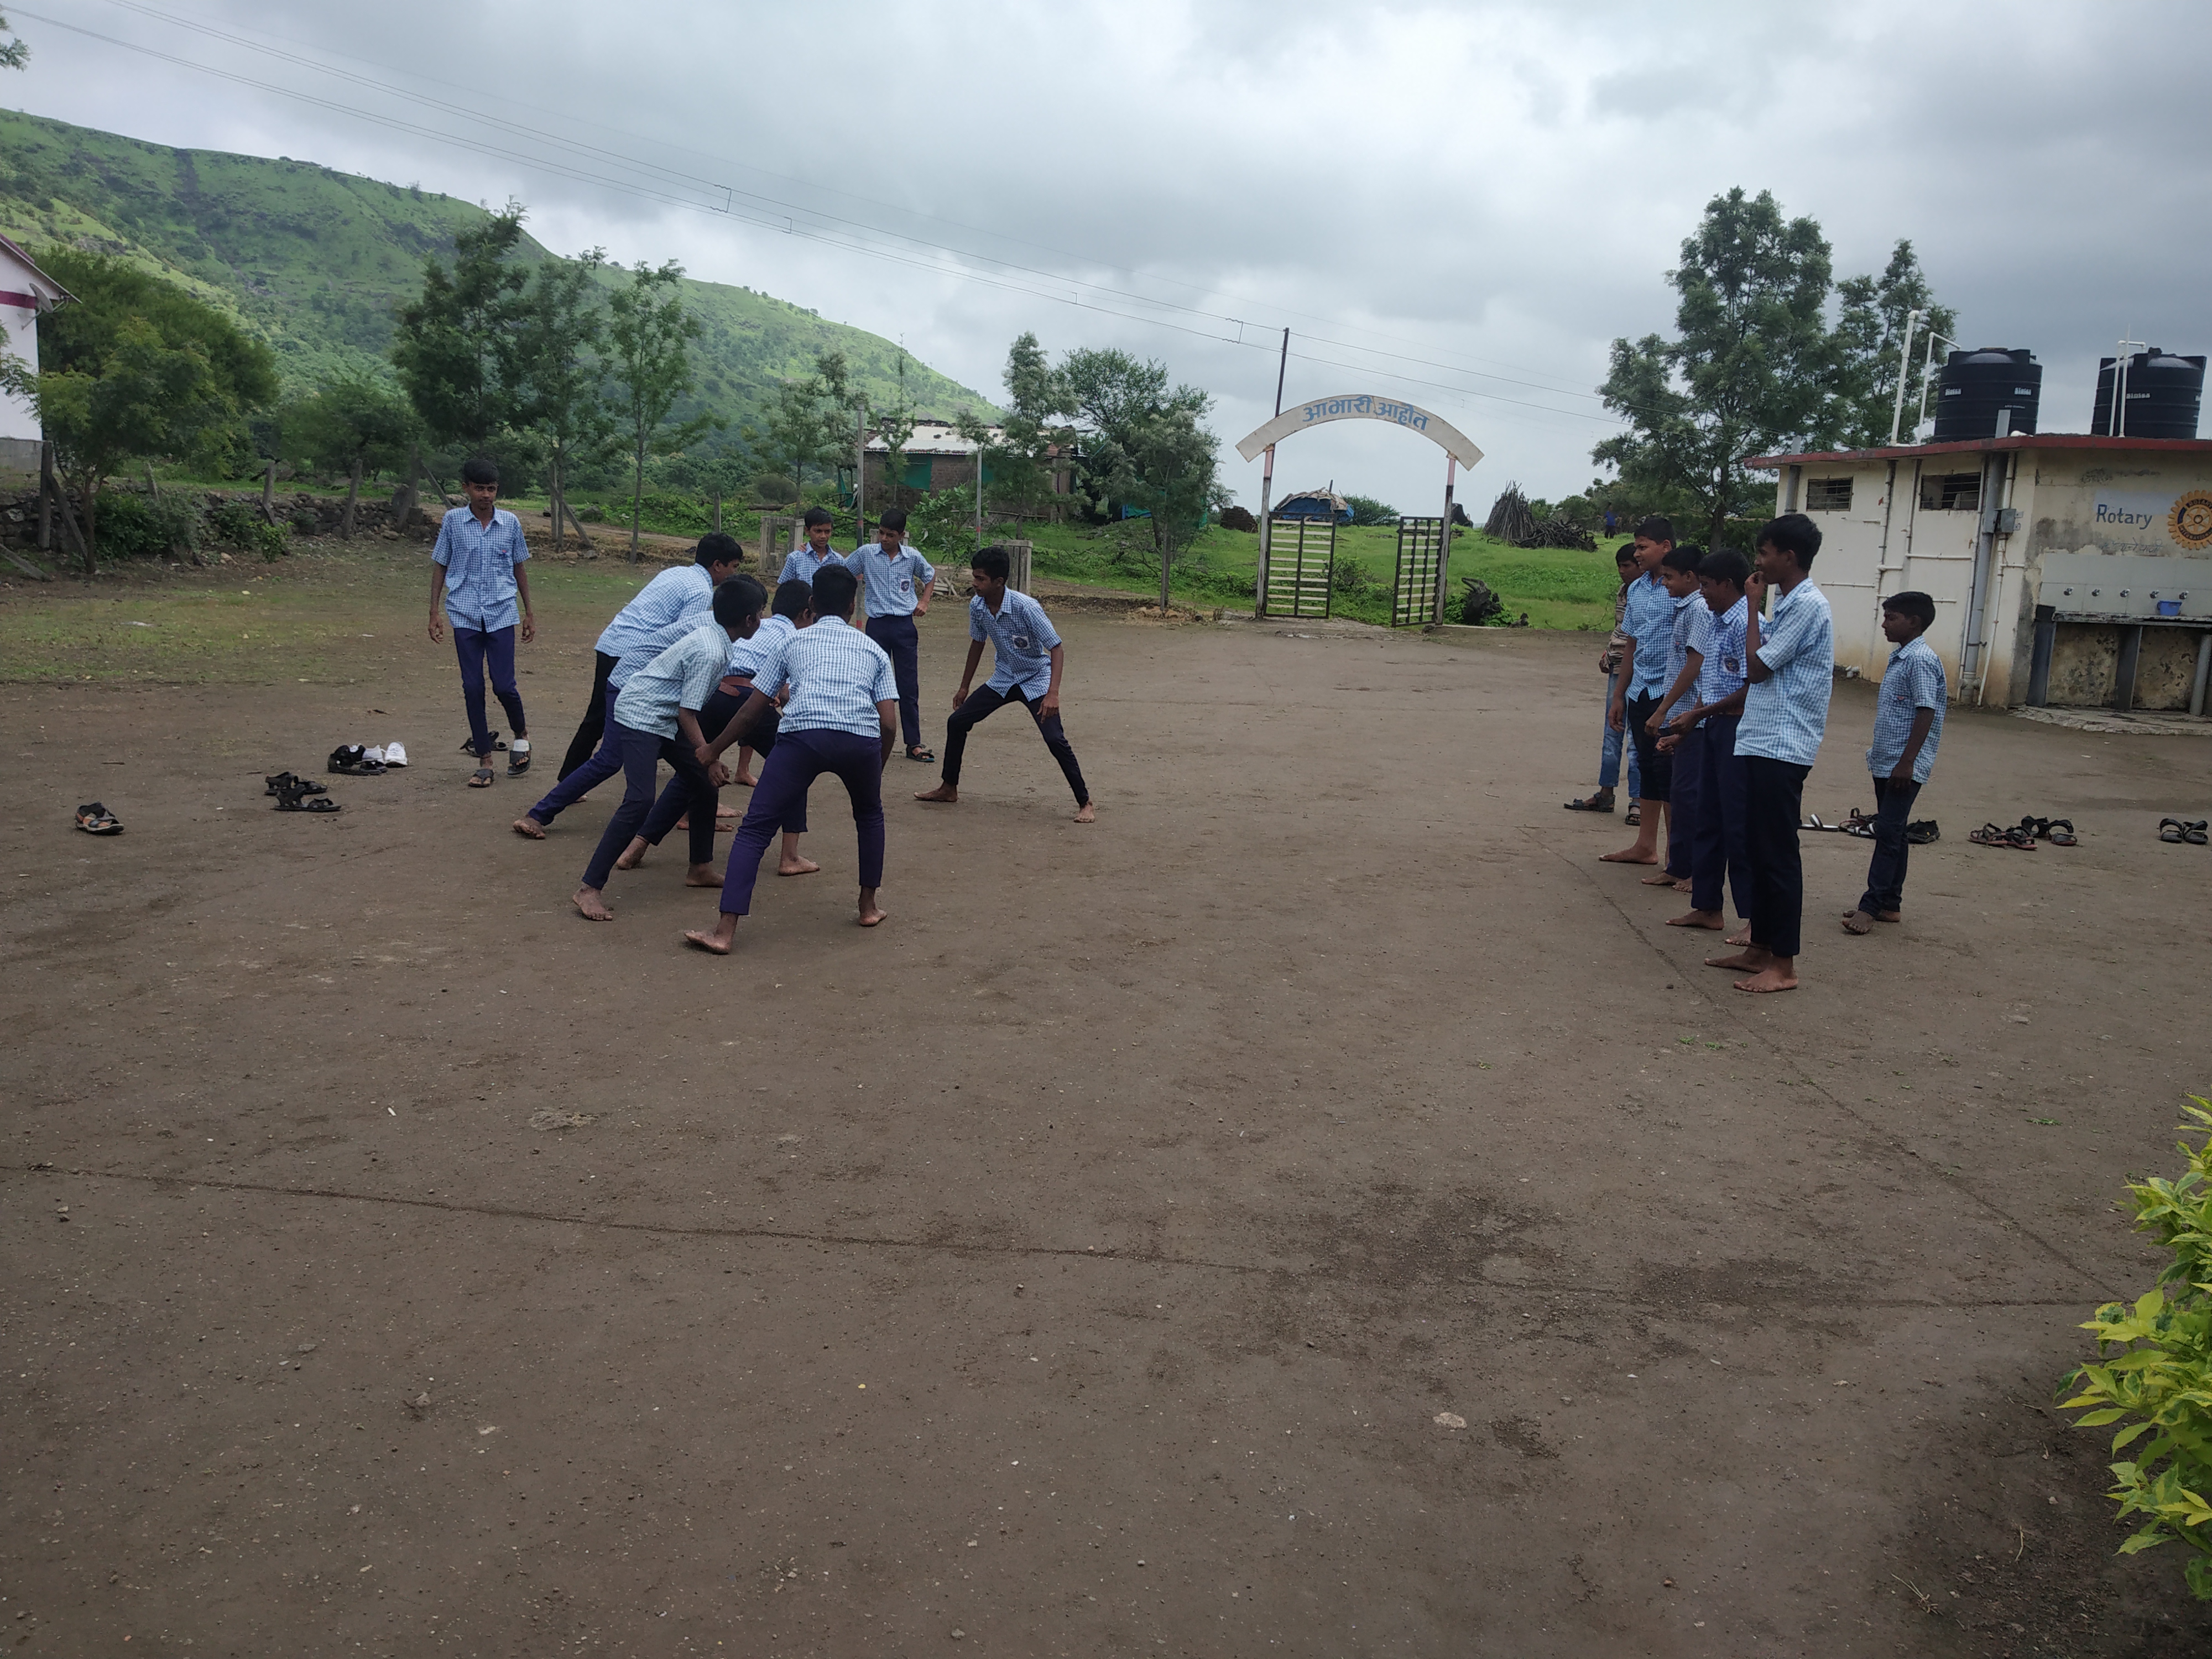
x=1027, y=658
x=1908, y=724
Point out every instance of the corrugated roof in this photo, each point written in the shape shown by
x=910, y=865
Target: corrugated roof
x=56, y=294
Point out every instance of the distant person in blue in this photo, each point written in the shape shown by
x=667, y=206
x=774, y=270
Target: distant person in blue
x=1908, y=724
x=804, y=563
x=475, y=585
x=1027, y=658
x=1612, y=522
x=895, y=584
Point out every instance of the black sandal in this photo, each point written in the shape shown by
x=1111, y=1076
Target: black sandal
x=469, y=745
x=284, y=780
x=1635, y=818
x=919, y=754
x=96, y=820
x=299, y=800
x=352, y=760
x=1592, y=804
x=2178, y=830
x=482, y=778
x=1920, y=832
x=2059, y=832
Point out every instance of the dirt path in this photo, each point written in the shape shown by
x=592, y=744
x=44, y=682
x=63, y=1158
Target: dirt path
x=1102, y=1255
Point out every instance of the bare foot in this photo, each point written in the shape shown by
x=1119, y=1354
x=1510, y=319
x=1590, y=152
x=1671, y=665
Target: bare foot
x=1683, y=885
x=529, y=828
x=743, y=780
x=707, y=940
x=943, y=791
x=1632, y=855
x=870, y=912
x=1748, y=961
x=1742, y=936
x=1857, y=921
x=1889, y=915
x=702, y=875
x=1658, y=879
x=1711, y=919
x=593, y=905
x=683, y=822
x=1087, y=813
x=791, y=864
x=1774, y=978
x=632, y=855
x=725, y=817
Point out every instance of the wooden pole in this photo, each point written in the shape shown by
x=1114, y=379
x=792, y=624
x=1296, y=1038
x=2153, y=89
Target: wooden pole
x=353, y=494
x=577, y=524
x=269, y=489
x=1444, y=542
x=718, y=509
x=46, y=491
x=861, y=478
x=553, y=488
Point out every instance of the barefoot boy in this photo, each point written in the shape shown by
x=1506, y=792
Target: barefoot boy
x=1608, y=664
x=803, y=563
x=842, y=717
x=1908, y=724
x=656, y=717
x=897, y=582
x=1704, y=736
x=1791, y=665
x=476, y=580
x=1678, y=573
x=1649, y=621
x=1027, y=658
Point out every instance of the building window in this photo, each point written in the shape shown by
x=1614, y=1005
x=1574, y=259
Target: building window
x=1952, y=492
x=1827, y=494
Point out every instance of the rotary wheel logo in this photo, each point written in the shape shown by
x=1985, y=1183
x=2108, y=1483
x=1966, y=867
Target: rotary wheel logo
x=2191, y=521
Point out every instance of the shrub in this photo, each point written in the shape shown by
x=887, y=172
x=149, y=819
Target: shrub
x=1349, y=576
x=1365, y=509
x=2154, y=1369
x=243, y=527
x=1239, y=517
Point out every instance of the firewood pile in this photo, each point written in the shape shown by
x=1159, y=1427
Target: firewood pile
x=1512, y=520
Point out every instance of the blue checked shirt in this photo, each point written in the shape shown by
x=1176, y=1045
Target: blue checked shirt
x=745, y=655
x=669, y=596
x=894, y=586
x=1649, y=619
x=1785, y=715
x=837, y=675
x=802, y=567
x=480, y=560
x=1022, y=639
x=1913, y=681
x=682, y=677
x=698, y=608
x=1719, y=641
x=1688, y=609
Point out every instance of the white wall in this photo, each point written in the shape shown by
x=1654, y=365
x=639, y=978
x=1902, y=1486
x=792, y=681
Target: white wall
x=16, y=420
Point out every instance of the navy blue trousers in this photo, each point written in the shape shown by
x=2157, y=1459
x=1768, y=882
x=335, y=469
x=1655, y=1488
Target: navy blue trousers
x=478, y=651
x=899, y=640
x=1717, y=846
x=982, y=705
x=718, y=710
x=1892, y=805
x=641, y=754
x=1682, y=810
x=1774, y=803
x=580, y=781
x=799, y=758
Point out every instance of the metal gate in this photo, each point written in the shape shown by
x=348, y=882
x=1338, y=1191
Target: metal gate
x=1301, y=560
x=1413, y=600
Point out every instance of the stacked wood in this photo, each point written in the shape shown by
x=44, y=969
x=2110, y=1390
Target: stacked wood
x=1510, y=519
x=1556, y=532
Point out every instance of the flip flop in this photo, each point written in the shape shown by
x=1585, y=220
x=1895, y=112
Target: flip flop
x=1862, y=827
x=284, y=780
x=2193, y=832
x=1813, y=822
x=2059, y=832
x=1589, y=803
x=482, y=778
x=518, y=758
x=295, y=800
x=469, y=745
x=1635, y=818
x=923, y=755
x=1921, y=832
x=1991, y=834
x=96, y=820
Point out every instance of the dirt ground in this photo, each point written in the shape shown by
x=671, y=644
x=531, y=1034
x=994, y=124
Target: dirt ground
x=1316, y=1209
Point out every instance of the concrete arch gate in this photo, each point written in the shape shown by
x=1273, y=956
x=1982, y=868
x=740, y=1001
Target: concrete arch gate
x=1423, y=544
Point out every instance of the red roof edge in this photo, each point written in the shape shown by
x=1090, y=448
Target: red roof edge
x=62, y=295
x=1985, y=446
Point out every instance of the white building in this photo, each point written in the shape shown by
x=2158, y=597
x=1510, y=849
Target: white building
x=25, y=291
x=2066, y=569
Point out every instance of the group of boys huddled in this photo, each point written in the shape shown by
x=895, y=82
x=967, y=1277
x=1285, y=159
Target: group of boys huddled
x=1723, y=709
x=704, y=659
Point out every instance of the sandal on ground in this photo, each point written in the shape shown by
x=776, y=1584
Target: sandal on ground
x=2170, y=830
x=352, y=760
x=298, y=801
x=1921, y=831
x=921, y=755
x=1813, y=822
x=2192, y=831
x=469, y=745
x=1862, y=827
x=284, y=780
x=482, y=778
x=2059, y=832
x=518, y=757
x=1635, y=818
x=1601, y=802
x=1991, y=834
x=96, y=820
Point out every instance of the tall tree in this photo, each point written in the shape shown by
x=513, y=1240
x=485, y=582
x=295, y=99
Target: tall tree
x=564, y=328
x=351, y=424
x=1753, y=367
x=1142, y=446
x=1870, y=342
x=459, y=345
x=804, y=426
x=1019, y=460
x=13, y=54
x=650, y=336
x=136, y=369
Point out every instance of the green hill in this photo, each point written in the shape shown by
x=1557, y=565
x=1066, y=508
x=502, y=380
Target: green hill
x=315, y=261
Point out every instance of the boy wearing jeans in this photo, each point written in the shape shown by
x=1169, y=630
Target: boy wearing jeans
x=1908, y=724
x=1649, y=621
x=1704, y=737
x=477, y=578
x=1608, y=664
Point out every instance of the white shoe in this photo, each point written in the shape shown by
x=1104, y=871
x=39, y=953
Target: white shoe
x=376, y=754
x=394, y=755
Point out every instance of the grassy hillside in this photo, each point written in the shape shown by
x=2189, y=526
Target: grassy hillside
x=316, y=261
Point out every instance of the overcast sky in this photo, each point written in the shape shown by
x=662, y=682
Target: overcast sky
x=1456, y=205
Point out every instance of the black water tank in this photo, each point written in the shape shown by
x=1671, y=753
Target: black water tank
x=1975, y=388
x=2164, y=394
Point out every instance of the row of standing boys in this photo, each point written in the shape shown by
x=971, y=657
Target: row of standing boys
x=1722, y=705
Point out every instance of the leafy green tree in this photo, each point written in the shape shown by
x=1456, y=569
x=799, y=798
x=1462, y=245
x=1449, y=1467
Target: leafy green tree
x=13, y=54
x=351, y=425
x=1029, y=440
x=136, y=369
x=649, y=335
x=805, y=428
x=561, y=373
x=1141, y=445
x=1365, y=509
x=458, y=347
x=1752, y=368
x=1871, y=336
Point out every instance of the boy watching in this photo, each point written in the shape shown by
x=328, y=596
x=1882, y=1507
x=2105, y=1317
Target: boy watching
x=1908, y=724
x=478, y=575
x=1027, y=658
x=897, y=581
x=842, y=717
x=1678, y=572
x=1704, y=737
x=656, y=717
x=1608, y=664
x=1791, y=666
x=803, y=563
x=1648, y=619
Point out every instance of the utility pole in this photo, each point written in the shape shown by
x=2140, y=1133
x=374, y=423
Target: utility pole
x=1267, y=483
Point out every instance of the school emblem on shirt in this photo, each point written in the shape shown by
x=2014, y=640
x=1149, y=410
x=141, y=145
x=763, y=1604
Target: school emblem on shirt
x=906, y=584
x=1020, y=641
x=1732, y=665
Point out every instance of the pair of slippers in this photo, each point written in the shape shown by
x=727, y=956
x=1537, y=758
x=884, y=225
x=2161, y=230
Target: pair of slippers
x=518, y=760
x=2059, y=832
x=1991, y=834
x=2191, y=831
x=1918, y=833
x=356, y=762
x=96, y=820
x=298, y=794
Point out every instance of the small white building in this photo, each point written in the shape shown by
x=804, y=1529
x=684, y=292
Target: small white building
x=25, y=291
x=2066, y=569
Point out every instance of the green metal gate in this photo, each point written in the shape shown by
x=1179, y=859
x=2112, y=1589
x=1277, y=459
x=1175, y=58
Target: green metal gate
x=1413, y=600
x=1301, y=559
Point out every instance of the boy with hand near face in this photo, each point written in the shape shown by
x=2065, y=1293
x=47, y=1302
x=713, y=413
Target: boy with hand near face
x=1908, y=724
x=1648, y=620
x=1703, y=740
x=1678, y=573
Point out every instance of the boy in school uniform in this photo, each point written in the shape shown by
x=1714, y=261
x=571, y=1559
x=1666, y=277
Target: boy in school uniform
x=1027, y=658
x=842, y=717
x=1608, y=664
x=717, y=556
x=1908, y=724
x=676, y=592
x=896, y=581
x=803, y=563
x=1648, y=619
x=1678, y=573
x=656, y=717
x=475, y=579
x=1703, y=738
x=1791, y=665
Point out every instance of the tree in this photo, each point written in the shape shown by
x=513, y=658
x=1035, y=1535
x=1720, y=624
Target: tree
x=458, y=347
x=13, y=54
x=1755, y=367
x=348, y=426
x=136, y=369
x=557, y=350
x=1365, y=509
x=1019, y=461
x=1871, y=338
x=1141, y=446
x=804, y=427
x=651, y=334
